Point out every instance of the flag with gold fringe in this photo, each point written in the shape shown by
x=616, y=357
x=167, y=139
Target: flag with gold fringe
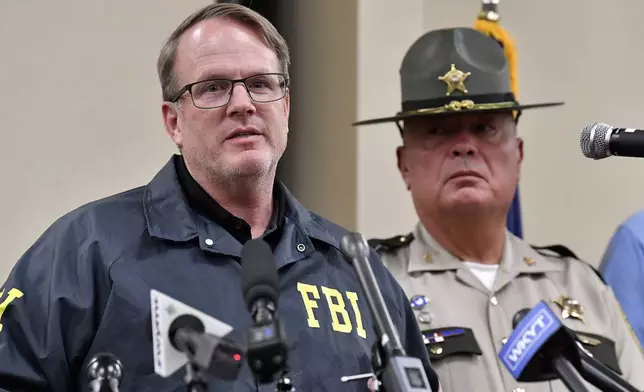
x=487, y=22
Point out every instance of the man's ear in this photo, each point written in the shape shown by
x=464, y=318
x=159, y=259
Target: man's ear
x=287, y=103
x=170, y=114
x=401, y=158
x=520, y=149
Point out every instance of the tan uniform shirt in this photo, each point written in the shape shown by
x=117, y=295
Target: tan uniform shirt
x=465, y=324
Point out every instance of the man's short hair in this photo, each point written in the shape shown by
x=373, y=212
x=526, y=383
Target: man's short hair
x=269, y=34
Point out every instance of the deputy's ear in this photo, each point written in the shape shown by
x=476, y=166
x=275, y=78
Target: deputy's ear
x=403, y=168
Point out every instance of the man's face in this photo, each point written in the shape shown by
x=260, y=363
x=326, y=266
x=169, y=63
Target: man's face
x=463, y=162
x=226, y=49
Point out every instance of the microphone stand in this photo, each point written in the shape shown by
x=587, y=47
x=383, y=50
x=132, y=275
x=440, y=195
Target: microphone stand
x=195, y=379
x=603, y=377
x=568, y=374
x=394, y=369
x=593, y=371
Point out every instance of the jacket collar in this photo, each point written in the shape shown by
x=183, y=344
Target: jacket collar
x=166, y=209
x=426, y=254
x=169, y=216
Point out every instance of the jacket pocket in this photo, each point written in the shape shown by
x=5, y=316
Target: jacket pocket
x=450, y=341
x=457, y=358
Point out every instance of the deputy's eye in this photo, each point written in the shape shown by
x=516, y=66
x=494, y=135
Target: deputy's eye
x=436, y=131
x=482, y=128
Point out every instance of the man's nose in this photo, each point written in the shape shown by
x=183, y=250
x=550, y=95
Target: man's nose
x=463, y=150
x=464, y=147
x=240, y=101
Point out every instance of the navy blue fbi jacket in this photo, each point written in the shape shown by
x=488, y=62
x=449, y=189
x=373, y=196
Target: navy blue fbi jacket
x=84, y=287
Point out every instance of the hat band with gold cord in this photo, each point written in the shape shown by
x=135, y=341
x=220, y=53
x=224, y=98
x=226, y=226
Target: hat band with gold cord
x=450, y=104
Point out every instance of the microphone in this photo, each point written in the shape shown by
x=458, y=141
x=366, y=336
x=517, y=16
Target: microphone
x=400, y=372
x=105, y=372
x=518, y=316
x=541, y=349
x=219, y=356
x=267, y=350
x=590, y=369
x=601, y=375
x=184, y=336
x=599, y=141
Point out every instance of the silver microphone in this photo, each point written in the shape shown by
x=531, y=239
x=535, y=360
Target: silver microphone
x=599, y=141
x=105, y=372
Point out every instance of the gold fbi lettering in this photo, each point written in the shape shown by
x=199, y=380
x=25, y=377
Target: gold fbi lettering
x=353, y=298
x=336, y=307
x=309, y=304
x=11, y=295
x=340, y=319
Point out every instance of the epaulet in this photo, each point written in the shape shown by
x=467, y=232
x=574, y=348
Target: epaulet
x=558, y=250
x=562, y=251
x=390, y=244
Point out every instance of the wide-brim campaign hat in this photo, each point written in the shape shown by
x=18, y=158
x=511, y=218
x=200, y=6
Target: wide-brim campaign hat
x=455, y=70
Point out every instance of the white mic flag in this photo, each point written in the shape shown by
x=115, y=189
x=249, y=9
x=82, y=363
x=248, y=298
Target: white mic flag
x=165, y=310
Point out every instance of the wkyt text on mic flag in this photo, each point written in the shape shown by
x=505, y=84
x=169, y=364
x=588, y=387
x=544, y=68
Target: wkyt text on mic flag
x=534, y=330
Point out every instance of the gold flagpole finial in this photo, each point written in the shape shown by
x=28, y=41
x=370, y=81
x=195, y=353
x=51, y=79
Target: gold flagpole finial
x=487, y=22
x=489, y=10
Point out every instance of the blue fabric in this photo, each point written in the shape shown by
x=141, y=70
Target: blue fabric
x=87, y=282
x=622, y=267
x=515, y=225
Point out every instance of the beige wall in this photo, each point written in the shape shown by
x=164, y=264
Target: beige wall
x=320, y=163
x=80, y=113
x=80, y=109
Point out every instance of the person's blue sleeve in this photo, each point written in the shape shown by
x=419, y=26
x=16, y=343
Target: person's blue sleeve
x=47, y=313
x=622, y=267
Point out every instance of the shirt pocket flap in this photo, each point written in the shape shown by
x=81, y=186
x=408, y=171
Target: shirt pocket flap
x=449, y=341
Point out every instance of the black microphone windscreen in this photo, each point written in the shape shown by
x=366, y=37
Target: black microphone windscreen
x=518, y=316
x=354, y=245
x=186, y=322
x=105, y=365
x=259, y=273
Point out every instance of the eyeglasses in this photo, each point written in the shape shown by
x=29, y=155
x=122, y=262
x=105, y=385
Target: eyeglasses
x=214, y=93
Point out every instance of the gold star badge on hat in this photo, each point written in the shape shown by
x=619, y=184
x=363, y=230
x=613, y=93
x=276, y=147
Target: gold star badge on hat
x=455, y=80
x=570, y=308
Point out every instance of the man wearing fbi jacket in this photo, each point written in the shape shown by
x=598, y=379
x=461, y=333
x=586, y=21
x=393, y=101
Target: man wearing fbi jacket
x=85, y=286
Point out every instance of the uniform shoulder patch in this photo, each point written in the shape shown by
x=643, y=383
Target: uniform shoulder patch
x=562, y=251
x=390, y=244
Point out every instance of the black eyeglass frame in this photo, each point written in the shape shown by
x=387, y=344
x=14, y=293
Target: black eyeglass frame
x=188, y=88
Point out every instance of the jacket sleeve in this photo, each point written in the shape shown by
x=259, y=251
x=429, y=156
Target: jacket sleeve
x=47, y=313
x=623, y=269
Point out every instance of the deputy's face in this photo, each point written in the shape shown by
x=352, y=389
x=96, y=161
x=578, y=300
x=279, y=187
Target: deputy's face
x=461, y=162
x=209, y=138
